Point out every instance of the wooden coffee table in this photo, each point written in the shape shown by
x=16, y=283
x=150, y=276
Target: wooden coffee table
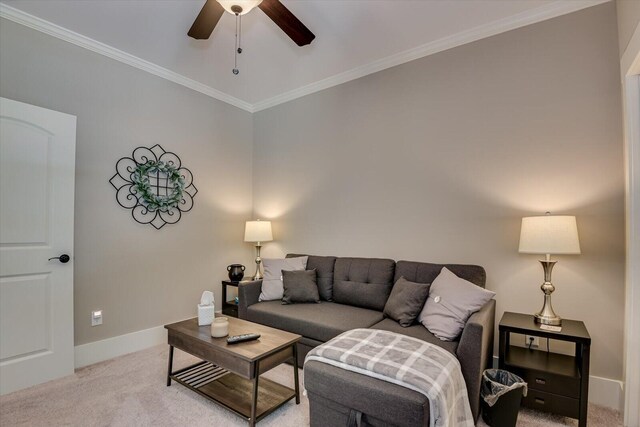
x=229, y=374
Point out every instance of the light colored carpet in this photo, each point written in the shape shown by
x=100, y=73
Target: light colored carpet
x=130, y=391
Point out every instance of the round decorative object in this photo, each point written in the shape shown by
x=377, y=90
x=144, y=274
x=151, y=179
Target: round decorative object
x=236, y=272
x=173, y=185
x=220, y=327
x=154, y=185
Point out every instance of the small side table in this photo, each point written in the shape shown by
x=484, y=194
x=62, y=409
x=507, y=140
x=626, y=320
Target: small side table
x=558, y=383
x=228, y=308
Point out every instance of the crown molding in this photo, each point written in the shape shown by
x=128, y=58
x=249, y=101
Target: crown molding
x=28, y=20
x=533, y=16
x=552, y=10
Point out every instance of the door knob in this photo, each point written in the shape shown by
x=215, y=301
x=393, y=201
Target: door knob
x=64, y=258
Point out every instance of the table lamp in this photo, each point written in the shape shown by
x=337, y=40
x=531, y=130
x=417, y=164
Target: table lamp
x=258, y=232
x=549, y=234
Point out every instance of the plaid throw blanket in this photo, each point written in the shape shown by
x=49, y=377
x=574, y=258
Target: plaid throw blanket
x=405, y=361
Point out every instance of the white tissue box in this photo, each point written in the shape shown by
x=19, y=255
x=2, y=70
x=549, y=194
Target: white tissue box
x=205, y=314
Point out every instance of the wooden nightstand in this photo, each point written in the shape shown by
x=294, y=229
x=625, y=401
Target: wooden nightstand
x=228, y=308
x=558, y=383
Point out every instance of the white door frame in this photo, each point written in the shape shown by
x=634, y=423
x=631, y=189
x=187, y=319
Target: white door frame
x=630, y=70
x=632, y=300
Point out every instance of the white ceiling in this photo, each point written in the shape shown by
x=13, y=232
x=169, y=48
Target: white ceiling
x=353, y=37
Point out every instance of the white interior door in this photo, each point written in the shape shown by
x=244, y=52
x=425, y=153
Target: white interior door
x=37, y=167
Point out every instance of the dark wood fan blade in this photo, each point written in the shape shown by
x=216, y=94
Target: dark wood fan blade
x=206, y=21
x=287, y=21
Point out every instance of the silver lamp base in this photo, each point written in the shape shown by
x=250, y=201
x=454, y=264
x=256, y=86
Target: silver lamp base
x=258, y=275
x=547, y=316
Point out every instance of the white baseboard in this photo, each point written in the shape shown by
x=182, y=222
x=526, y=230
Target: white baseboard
x=606, y=392
x=602, y=391
x=98, y=351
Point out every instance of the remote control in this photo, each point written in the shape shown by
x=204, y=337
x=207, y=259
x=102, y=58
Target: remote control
x=242, y=338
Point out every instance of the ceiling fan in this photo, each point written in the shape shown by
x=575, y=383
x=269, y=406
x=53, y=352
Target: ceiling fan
x=213, y=9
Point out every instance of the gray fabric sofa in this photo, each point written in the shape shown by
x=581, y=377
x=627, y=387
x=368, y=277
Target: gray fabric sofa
x=353, y=293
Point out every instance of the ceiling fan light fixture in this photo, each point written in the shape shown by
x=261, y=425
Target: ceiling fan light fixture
x=245, y=6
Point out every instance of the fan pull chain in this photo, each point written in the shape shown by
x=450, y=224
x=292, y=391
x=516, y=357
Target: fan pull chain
x=238, y=49
x=240, y=34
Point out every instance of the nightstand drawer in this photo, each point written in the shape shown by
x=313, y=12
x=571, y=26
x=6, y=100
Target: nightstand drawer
x=549, y=383
x=549, y=402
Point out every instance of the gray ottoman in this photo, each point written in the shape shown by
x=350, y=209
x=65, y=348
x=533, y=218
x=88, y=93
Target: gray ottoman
x=336, y=395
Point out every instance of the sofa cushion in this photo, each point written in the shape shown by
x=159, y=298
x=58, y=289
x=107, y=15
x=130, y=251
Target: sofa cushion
x=320, y=322
x=300, y=287
x=424, y=272
x=363, y=282
x=324, y=267
x=406, y=301
x=272, y=287
x=416, y=331
x=451, y=302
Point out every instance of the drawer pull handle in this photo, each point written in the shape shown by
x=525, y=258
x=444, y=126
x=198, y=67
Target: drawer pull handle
x=539, y=401
x=540, y=381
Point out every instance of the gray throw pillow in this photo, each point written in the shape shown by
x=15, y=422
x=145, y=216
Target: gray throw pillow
x=300, y=286
x=451, y=302
x=324, y=273
x=406, y=300
x=272, y=288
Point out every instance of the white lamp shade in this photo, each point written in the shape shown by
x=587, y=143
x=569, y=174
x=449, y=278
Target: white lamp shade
x=549, y=234
x=258, y=231
x=246, y=5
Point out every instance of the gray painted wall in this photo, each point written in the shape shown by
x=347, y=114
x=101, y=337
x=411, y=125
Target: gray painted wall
x=438, y=159
x=140, y=277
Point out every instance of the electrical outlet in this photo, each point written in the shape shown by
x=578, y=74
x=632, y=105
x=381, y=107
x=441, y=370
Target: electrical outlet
x=530, y=339
x=96, y=318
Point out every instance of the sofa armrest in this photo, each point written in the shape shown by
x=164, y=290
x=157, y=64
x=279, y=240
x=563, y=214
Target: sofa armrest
x=248, y=294
x=475, y=351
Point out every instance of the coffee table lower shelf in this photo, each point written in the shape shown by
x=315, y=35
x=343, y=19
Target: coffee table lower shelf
x=233, y=391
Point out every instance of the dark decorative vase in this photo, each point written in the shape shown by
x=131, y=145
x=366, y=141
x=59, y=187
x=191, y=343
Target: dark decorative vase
x=236, y=272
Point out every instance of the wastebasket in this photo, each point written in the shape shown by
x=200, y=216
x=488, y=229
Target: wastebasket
x=501, y=394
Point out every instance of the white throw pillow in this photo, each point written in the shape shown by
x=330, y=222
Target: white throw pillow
x=272, y=287
x=451, y=302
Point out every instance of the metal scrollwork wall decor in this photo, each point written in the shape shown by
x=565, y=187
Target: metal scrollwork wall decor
x=154, y=185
